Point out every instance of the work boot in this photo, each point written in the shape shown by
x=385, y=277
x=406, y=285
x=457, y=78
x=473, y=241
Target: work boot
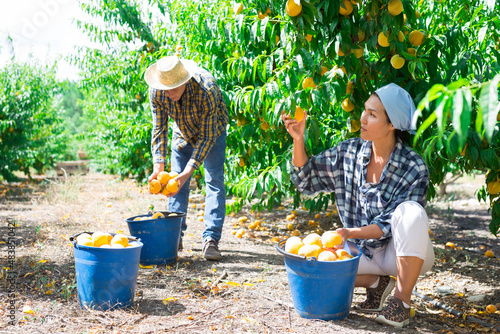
x=375, y=297
x=394, y=314
x=211, y=250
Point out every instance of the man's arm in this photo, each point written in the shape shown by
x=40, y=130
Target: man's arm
x=159, y=139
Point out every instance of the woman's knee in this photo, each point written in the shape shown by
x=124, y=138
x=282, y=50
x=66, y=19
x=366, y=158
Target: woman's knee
x=411, y=208
x=409, y=227
x=411, y=213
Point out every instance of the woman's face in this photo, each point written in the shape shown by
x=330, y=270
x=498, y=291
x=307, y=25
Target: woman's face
x=375, y=124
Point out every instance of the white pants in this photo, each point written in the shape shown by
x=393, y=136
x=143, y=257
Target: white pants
x=410, y=237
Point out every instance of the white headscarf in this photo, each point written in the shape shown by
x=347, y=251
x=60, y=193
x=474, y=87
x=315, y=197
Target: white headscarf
x=399, y=107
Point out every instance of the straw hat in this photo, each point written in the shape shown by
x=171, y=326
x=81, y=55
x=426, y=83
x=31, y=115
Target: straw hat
x=169, y=72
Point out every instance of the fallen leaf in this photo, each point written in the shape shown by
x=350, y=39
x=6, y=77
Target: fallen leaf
x=169, y=300
x=233, y=283
x=42, y=261
x=433, y=311
x=49, y=292
x=27, y=309
x=145, y=267
x=95, y=330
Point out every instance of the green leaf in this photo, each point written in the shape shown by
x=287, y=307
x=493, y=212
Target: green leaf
x=293, y=80
x=441, y=111
x=255, y=99
x=255, y=68
x=300, y=63
x=461, y=116
x=428, y=122
x=288, y=82
x=488, y=102
x=254, y=32
x=263, y=26
x=458, y=84
x=265, y=72
x=495, y=221
x=307, y=59
x=482, y=34
x=317, y=98
x=474, y=154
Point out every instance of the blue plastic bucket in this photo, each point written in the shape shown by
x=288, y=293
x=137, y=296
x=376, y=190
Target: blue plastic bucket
x=320, y=289
x=106, y=277
x=160, y=237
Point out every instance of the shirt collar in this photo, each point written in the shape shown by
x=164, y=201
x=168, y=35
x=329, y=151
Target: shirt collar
x=188, y=91
x=366, y=151
x=396, y=158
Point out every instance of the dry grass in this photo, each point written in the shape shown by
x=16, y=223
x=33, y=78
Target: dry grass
x=247, y=292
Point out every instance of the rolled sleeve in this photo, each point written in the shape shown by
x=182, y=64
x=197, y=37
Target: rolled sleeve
x=317, y=175
x=159, y=138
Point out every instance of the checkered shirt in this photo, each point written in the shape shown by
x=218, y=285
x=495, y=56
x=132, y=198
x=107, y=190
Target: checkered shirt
x=200, y=117
x=342, y=169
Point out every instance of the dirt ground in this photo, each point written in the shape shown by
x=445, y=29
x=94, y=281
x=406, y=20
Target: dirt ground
x=246, y=292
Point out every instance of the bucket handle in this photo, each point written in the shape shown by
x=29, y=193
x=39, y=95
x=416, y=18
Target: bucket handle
x=129, y=237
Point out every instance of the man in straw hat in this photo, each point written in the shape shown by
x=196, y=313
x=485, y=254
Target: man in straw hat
x=191, y=97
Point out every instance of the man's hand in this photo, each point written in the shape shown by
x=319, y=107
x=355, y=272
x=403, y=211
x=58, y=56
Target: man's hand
x=182, y=178
x=157, y=168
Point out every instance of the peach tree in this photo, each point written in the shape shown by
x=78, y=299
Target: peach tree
x=32, y=137
x=326, y=57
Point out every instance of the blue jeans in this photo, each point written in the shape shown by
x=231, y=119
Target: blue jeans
x=215, y=201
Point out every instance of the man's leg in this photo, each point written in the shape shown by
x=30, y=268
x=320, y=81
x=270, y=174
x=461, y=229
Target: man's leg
x=179, y=202
x=215, y=202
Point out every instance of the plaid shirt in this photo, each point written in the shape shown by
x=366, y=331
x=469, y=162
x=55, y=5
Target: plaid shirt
x=343, y=169
x=200, y=118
